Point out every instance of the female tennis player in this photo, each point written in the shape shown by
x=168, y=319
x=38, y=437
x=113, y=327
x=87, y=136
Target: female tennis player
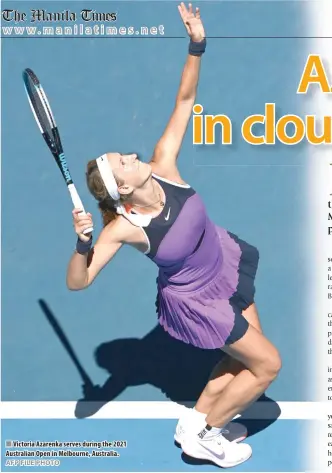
x=205, y=285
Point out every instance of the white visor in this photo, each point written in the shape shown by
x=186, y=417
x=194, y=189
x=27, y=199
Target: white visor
x=107, y=175
x=108, y=178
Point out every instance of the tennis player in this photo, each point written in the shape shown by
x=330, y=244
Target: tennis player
x=205, y=285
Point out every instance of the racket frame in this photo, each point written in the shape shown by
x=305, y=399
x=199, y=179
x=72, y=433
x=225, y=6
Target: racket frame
x=54, y=142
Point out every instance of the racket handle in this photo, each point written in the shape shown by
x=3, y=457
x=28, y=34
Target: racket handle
x=78, y=203
x=88, y=230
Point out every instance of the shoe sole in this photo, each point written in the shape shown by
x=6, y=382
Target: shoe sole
x=202, y=456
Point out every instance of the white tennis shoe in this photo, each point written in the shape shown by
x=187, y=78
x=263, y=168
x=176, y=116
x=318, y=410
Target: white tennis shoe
x=193, y=422
x=216, y=449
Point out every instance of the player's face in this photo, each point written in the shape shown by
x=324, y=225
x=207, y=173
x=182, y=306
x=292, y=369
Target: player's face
x=128, y=168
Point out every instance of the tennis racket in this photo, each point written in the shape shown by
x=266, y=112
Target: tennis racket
x=45, y=120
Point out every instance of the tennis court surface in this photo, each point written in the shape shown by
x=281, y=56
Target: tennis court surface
x=117, y=93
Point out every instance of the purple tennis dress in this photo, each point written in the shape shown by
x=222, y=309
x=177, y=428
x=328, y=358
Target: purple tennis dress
x=206, y=274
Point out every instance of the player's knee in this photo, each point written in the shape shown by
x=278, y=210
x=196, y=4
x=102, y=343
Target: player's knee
x=270, y=368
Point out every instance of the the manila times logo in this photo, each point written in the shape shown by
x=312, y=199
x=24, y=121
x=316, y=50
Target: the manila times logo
x=42, y=15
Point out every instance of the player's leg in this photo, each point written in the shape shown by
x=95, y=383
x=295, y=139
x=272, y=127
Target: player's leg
x=225, y=370
x=223, y=373
x=262, y=364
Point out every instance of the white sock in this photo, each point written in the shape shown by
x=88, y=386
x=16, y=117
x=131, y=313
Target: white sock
x=198, y=414
x=198, y=420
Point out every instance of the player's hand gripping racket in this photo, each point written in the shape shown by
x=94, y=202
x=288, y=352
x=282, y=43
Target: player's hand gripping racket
x=42, y=112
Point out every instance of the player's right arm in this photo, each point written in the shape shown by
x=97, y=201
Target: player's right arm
x=83, y=268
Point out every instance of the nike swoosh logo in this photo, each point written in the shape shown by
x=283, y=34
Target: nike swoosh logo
x=220, y=455
x=168, y=214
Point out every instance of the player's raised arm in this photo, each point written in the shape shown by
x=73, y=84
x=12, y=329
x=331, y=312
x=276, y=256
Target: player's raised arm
x=168, y=147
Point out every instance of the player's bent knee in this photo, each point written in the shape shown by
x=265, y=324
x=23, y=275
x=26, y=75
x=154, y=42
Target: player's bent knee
x=271, y=368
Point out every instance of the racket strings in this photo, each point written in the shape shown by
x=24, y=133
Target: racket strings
x=40, y=107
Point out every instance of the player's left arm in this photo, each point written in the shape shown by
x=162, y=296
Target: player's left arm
x=168, y=147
